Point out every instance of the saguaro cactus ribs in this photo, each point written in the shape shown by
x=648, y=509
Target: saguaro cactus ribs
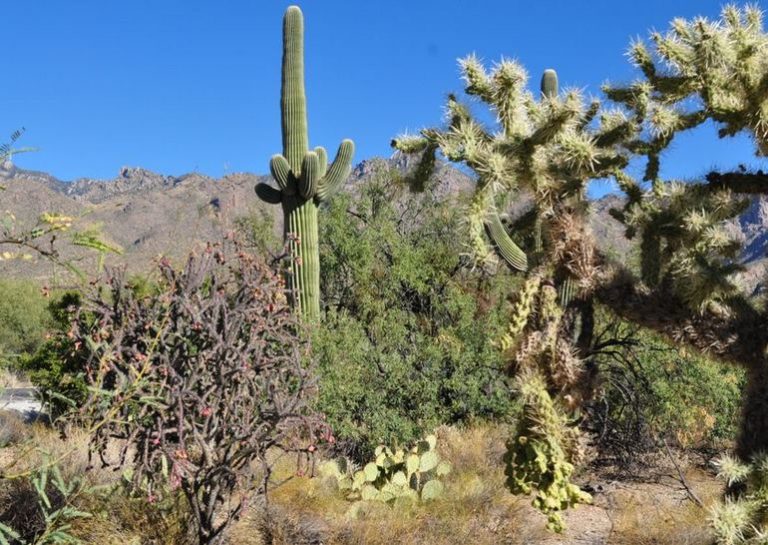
x=303, y=175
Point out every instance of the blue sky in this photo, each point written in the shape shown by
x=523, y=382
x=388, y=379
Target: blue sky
x=191, y=85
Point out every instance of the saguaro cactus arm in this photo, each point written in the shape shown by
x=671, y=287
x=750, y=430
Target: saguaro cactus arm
x=310, y=171
x=281, y=172
x=338, y=172
x=269, y=194
x=506, y=247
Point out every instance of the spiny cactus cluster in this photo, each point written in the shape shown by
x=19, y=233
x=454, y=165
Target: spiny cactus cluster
x=721, y=64
x=547, y=149
x=686, y=241
x=740, y=518
x=304, y=178
x=394, y=474
x=540, y=454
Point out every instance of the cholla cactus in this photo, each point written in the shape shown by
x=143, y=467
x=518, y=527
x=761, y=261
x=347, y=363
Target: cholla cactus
x=740, y=518
x=701, y=70
x=721, y=64
x=546, y=149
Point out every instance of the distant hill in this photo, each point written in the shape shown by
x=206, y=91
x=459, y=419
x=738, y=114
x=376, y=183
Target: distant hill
x=149, y=214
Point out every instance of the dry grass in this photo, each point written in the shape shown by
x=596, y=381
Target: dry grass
x=12, y=379
x=476, y=507
x=13, y=430
x=660, y=514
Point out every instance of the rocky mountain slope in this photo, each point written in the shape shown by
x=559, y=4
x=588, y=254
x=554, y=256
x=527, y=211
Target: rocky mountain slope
x=149, y=214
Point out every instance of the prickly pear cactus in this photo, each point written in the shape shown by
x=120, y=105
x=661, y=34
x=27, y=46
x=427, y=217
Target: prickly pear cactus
x=413, y=475
x=303, y=175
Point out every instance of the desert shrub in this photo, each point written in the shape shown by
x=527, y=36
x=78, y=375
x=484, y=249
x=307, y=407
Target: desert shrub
x=198, y=381
x=53, y=368
x=24, y=319
x=406, y=340
x=651, y=391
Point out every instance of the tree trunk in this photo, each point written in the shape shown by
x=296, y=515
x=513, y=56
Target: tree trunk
x=753, y=435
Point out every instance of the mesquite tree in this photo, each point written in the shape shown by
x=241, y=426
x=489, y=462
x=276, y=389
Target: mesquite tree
x=546, y=150
x=303, y=175
x=197, y=381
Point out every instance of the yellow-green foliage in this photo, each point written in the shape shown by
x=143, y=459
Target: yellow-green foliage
x=540, y=452
x=521, y=312
x=24, y=319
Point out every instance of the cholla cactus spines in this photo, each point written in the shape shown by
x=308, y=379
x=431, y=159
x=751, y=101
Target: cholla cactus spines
x=722, y=64
x=548, y=148
x=685, y=240
x=304, y=178
x=740, y=518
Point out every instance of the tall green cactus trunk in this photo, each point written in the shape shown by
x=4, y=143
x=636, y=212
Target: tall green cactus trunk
x=304, y=178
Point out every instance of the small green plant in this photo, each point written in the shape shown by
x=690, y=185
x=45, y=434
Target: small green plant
x=56, y=373
x=411, y=474
x=24, y=319
x=48, y=518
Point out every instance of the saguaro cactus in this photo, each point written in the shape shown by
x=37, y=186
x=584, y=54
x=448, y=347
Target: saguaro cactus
x=303, y=175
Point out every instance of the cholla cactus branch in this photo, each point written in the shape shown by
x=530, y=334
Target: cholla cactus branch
x=197, y=382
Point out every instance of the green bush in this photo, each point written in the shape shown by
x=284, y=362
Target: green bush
x=406, y=340
x=57, y=377
x=653, y=391
x=24, y=320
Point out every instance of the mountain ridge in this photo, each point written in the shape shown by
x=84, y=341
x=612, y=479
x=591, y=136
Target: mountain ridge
x=148, y=213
